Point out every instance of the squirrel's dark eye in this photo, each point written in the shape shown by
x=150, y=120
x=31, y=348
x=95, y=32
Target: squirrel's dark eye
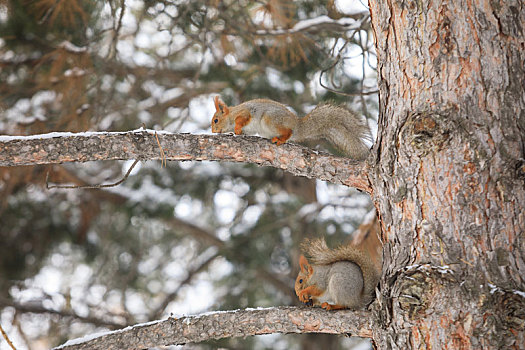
x=216, y=121
x=301, y=280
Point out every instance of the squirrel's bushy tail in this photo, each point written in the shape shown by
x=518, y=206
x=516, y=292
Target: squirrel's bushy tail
x=318, y=253
x=341, y=127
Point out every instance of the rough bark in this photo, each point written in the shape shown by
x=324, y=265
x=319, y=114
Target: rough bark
x=449, y=174
x=80, y=147
x=221, y=324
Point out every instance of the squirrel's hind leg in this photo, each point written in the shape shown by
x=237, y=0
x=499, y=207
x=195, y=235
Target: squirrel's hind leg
x=272, y=127
x=284, y=135
x=332, y=307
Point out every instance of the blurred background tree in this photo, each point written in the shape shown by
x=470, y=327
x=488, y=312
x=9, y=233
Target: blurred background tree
x=189, y=237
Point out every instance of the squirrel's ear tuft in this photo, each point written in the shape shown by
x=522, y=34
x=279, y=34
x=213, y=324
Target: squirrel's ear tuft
x=220, y=106
x=303, y=264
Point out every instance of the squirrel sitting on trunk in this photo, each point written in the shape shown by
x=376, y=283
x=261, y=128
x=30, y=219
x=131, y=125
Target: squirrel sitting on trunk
x=339, y=278
x=270, y=119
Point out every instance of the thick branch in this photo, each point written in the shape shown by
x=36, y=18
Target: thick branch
x=82, y=147
x=222, y=324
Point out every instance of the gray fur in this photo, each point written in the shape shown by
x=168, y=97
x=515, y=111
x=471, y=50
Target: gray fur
x=341, y=127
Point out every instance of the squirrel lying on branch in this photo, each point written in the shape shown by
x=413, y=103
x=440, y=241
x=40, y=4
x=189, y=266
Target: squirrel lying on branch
x=270, y=119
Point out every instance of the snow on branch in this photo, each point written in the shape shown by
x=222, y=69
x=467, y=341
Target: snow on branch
x=68, y=46
x=315, y=24
x=223, y=324
x=143, y=145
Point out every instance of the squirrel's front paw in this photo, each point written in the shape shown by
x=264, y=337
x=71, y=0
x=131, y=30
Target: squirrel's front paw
x=304, y=297
x=307, y=300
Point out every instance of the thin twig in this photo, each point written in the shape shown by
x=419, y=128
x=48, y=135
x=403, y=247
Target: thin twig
x=113, y=47
x=163, y=161
x=361, y=93
x=92, y=186
x=7, y=338
x=34, y=308
x=168, y=298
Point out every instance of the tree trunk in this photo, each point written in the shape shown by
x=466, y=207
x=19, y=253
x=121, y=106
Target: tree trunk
x=449, y=178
